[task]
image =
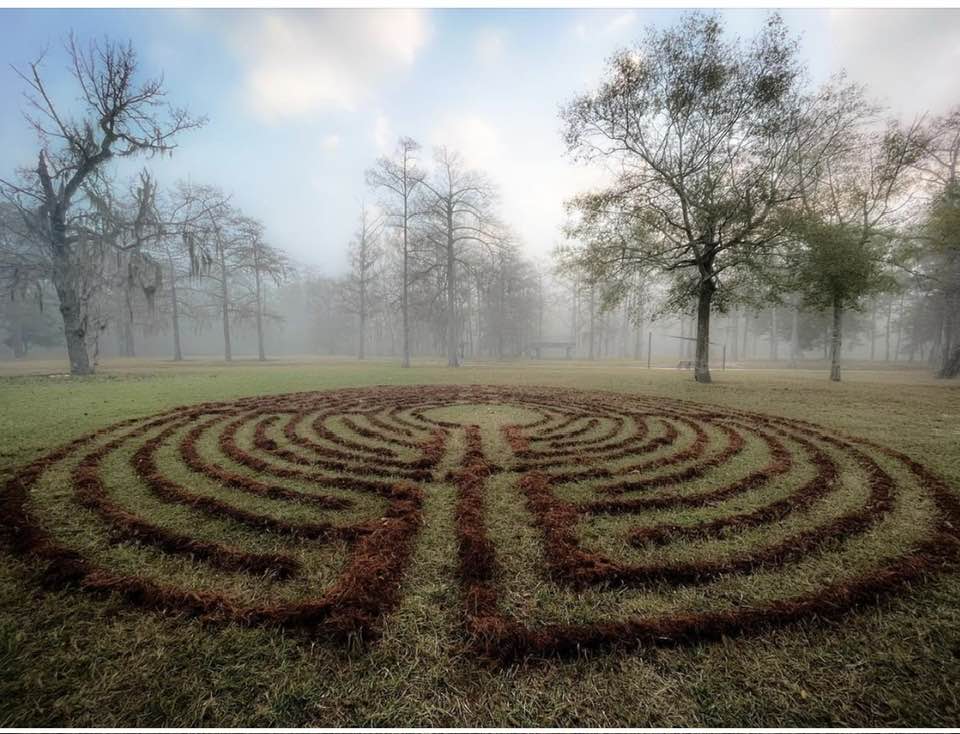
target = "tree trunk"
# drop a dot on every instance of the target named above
(17, 341)
(261, 352)
(539, 307)
(836, 340)
(950, 364)
(129, 348)
(936, 353)
(896, 354)
(225, 296)
(592, 322)
(453, 355)
(361, 338)
(71, 308)
(227, 350)
(74, 322)
(795, 338)
(126, 335)
(501, 297)
(744, 354)
(575, 317)
(704, 299)
(404, 298)
(774, 352)
(735, 336)
(624, 340)
(175, 308)
(886, 351)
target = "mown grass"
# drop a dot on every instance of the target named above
(71, 659)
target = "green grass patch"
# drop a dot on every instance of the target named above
(73, 659)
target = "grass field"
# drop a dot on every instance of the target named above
(423, 645)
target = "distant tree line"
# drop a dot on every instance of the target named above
(432, 265)
(747, 209)
(107, 254)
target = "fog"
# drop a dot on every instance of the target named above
(463, 186)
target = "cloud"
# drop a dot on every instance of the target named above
(533, 177)
(908, 58)
(330, 142)
(592, 26)
(473, 137)
(383, 136)
(489, 45)
(621, 22)
(301, 62)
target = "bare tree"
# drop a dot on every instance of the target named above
(458, 209)
(23, 267)
(122, 117)
(184, 215)
(360, 285)
(223, 244)
(130, 228)
(176, 269)
(400, 176)
(262, 262)
(508, 303)
(26, 295)
(206, 224)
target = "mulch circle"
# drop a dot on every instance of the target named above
(640, 455)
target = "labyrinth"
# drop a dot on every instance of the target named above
(582, 520)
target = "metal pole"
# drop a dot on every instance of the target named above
(724, 366)
(649, 346)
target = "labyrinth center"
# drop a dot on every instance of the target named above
(582, 519)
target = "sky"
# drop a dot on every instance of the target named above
(301, 102)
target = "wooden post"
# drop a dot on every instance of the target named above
(649, 347)
(724, 363)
